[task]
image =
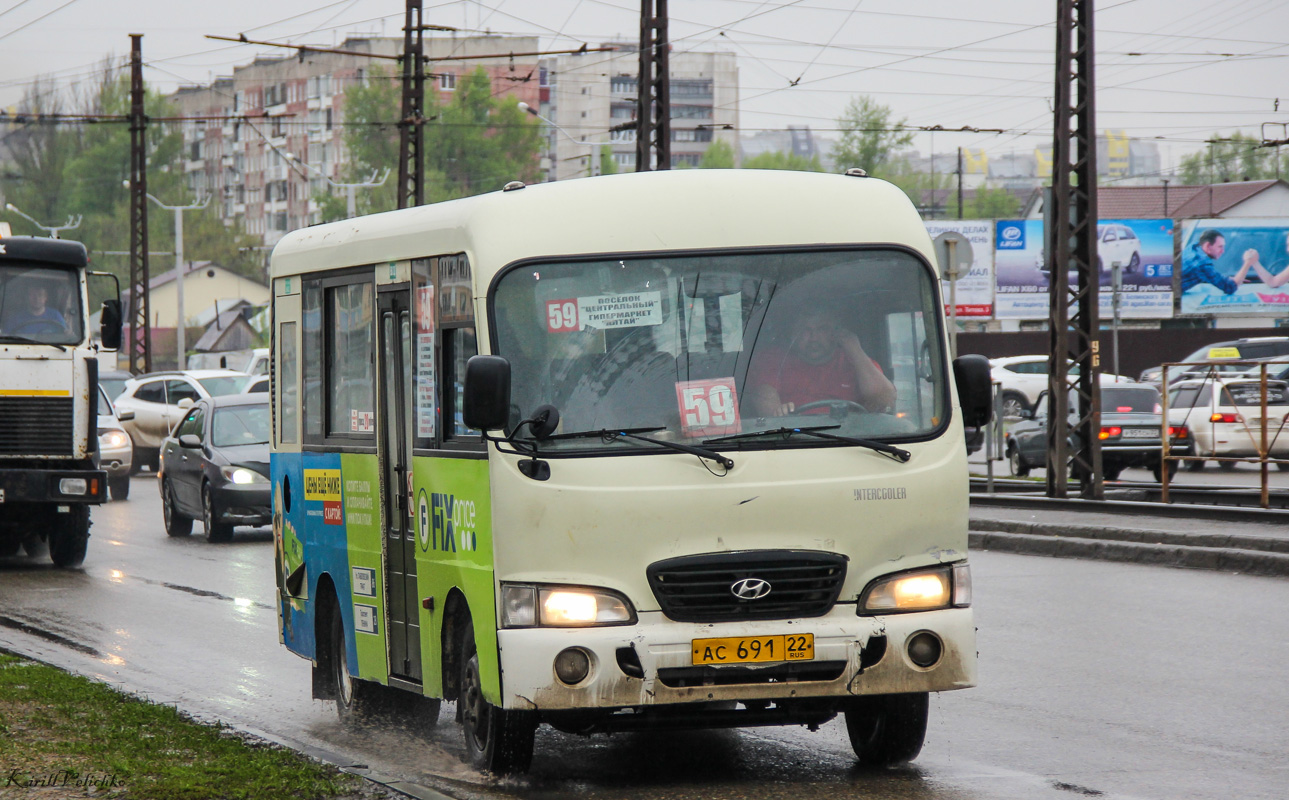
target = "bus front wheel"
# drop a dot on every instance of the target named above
(496, 740)
(356, 700)
(887, 729)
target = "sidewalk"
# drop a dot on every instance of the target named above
(1255, 543)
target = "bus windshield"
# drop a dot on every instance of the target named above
(40, 304)
(749, 345)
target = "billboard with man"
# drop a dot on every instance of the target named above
(1235, 266)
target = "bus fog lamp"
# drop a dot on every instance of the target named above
(73, 486)
(572, 665)
(925, 648)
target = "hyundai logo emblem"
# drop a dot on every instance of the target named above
(750, 589)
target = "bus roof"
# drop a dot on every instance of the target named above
(52, 251)
(636, 212)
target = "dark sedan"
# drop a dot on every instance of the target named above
(215, 466)
(1131, 418)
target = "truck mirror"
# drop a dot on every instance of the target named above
(110, 325)
(971, 374)
(487, 393)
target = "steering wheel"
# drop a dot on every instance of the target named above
(35, 327)
(834, 406)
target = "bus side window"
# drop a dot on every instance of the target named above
(312, 359)
(288, 371)
(459, 344)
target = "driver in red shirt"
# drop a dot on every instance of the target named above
(823, 361)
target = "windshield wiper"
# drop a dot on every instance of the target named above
(817, 431)
(609, 434)
(11, 339)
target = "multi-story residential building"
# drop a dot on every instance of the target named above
(275, 133)
(587, 94)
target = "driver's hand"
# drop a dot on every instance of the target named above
(849, 343)
(787, 408)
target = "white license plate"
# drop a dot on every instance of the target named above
(1140, 433)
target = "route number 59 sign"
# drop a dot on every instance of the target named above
(709, 407)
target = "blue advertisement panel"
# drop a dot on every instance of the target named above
(1235, 266)
(1142, 248)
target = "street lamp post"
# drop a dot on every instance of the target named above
(351, 200)
(180, 332)
(591, 167)
(52, 230)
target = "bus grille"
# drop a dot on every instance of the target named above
(36, 426)
(701, 588)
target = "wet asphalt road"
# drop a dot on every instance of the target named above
(1097, 680)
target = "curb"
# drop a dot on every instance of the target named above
(1048, 541)
(1234, 541)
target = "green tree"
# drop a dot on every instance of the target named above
(1236, 157)
(986, 202)
(869, 136)
(718, 155)
(926, 190)
(475, 143)
(778, 159)
(608, 165)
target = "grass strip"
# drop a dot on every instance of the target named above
(74, 737)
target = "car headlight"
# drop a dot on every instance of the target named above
(113, 439)
(534, 606)
(242, 475)
(920, 590)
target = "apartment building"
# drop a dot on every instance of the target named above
(586, 94)
(274, 133)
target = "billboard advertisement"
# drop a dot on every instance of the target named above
(975, 290)
(1143, 249)
(1235, 266)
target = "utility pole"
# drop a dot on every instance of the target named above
(53, 230)
(653, 89)
(180, 330)
(960, 183)
(140, 346)
(411, 127)
(1072, 246)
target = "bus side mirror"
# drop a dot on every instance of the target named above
(110, 325)
(971, 374)
(487, 393)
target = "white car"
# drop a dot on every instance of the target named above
(115, 450)
(154, 398)
(1023, 378)
(1116, 244)
(1225, 417)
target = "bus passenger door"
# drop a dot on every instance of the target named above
(400, 534)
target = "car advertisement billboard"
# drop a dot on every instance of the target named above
(1143, 249)
(975, 290)
(1235, 266)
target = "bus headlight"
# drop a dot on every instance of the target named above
(921, 590)
(529, 605)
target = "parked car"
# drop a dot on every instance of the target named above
(115, 450)
(1219, 358)
(216, 465)
(113, 381)
(155, 400)
(1024, 378)
(256, 384)
(1131, 423)
(1225, 417)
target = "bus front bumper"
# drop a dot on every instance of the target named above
(852, 656)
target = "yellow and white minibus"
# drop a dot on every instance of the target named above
(657, 450)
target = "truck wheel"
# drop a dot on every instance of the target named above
(176, 523)
(887, 729)
(70, 537)
(357, 701)
(120, 487)
(215, 531)
(496, 740)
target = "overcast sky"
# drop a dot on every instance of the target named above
(1177, 69)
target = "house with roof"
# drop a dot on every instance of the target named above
(1268, 198)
